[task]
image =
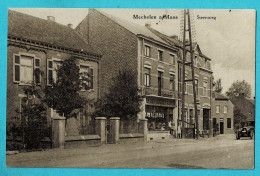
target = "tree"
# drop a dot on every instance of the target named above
(32, 117)
(239, 118)
(218, 87)
(122, 99)
(64, 94)
(239, 87)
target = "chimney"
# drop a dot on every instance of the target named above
(174, 37)
(70, 25)
(51, 18)
(147, 25)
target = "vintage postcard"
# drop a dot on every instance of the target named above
(131, 88)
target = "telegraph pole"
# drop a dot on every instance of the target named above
(189, 43)
(183, 78)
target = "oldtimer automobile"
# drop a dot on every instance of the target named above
(247, 131)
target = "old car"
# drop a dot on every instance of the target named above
(247, 131)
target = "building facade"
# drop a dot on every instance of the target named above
(35, 43)
(203, 82)
(223, 114)
(127, 45)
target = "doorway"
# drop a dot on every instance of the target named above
(221, 128)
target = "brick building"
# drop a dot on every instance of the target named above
(203, 83)
(223, 114)
(127, 45)
(43, 44)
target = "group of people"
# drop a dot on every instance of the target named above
(162, 126)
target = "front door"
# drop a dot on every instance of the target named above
(221, 127)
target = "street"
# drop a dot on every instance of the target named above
(221, 152)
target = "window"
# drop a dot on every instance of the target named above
(147, 51)
(225, 109)
(186, 85)
(172, 59)
(160, 55)
(197, 86)
(179, 77)
(205, 85)
(26, 69)
(87, 77)
(172, 82)
(214, 122)
(53, 66)
(217, 109)
(195, 61)
(147, 77)
(191, 116)
(160, 83)
(228, 122)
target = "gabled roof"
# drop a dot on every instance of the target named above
(37, 29)
(219, 96)
(133, 27)
(168, 39)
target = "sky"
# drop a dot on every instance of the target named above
(229, 39)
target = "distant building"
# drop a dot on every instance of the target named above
(223, 114)
(35, 43)
(246, 106)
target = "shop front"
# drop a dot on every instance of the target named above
(160, 114)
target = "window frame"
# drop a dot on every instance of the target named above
(172, 82)
(90, 70)
(160, 55)
(229, 124)
(147, 51)
(217, 109)
(19, 65)
(172, 59)
(197, 86)
(225, 112)
(52, 69)
(205, 87)
(147, 77)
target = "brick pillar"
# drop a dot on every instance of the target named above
(144, 128)
(115, 128)
(58, 132)
(101, 128)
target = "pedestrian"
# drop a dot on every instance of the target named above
(179, 131)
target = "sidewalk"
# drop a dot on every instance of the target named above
(124, 147)
(115, 154)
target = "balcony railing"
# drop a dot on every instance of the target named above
(163, 92)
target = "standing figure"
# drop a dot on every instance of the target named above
(179, 131)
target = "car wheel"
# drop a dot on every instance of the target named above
(238, 136)
(252, 135)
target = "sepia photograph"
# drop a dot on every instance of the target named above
(131, 88)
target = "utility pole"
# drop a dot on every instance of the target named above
(183, 79)
(189, 43)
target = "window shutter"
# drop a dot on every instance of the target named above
(37, 72)
(50, 72)
(16, 71)
(91, 71)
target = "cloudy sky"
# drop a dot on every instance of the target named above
(229, 40)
